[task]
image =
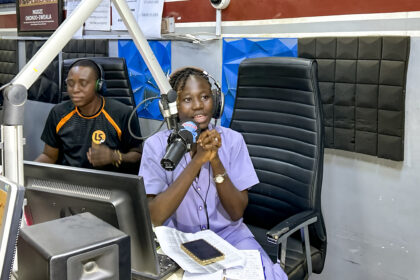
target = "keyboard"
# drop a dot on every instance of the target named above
(167, 265)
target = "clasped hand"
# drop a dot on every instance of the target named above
(208, 145)
(100, 155)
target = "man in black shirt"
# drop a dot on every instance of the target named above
(89, 130)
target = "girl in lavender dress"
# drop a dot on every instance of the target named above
(209, 187)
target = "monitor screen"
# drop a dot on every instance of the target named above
(11, 202)
(56, 191)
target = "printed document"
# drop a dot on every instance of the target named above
(100, 19)
(149, 17)
(117, 22)
(252, 270)
(218, 275)
(171, 239)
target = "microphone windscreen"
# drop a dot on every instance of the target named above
(190, 131)
(172, 96)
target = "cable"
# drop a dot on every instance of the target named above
(194, 38)
(205, 199)
(131, 117)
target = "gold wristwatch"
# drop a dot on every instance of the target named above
(219, 178)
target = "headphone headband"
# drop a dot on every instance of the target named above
(100, 86)
(213, 79)
(218, 97)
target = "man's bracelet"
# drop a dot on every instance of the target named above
(119, 158)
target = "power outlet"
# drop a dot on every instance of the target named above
(168, 25)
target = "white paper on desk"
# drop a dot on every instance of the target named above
(100, 19)
(71, 6)
(218, 275)
(171, 239)
(149, 17)
(252, 270)
(117, 22)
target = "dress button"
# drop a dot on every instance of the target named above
(203, 227)
(198, 189)
(200, 207)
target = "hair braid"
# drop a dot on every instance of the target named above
(179, 78)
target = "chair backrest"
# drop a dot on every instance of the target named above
(116, 78)
(278, 111)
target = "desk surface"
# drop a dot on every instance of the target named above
(177, 275)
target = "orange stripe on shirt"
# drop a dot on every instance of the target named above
(109, 118)
(94, 116)
(64, 120)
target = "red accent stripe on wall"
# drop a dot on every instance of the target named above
(201, 10)
(8, 21)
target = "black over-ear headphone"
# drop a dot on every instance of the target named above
(100, 86)
(218, 97)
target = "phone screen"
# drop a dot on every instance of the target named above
(202, 249)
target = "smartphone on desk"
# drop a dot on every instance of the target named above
(202, 251)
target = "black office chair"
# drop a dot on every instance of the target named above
(278, 111)
(116, 78)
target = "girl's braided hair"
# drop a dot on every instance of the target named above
(180, 77)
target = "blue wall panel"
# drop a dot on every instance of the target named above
(141, 79)
(236, 50)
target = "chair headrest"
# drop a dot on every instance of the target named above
(115, 76)
(278, 72)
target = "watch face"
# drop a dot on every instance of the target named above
(219, 179)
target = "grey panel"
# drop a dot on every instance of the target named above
(366, 119)
(367, 96)
(326, 47)
(347, 48)
(391, 98)
(46, 87)
(35, 116)
(367, 71)
(390, 122)
(366, 142)
(344, 138)
(326, 70)
(370, 47)
(344, 94)
(345, 71)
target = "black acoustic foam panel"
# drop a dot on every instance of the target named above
(8, 61)
(86, 48)
(362, 84)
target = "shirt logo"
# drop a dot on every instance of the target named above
(98, 137)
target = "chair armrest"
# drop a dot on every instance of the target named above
(287, 227)
(278, 235)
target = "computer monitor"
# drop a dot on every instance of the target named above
(11, 202)
(55, 191)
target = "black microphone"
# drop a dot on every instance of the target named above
(179, 142)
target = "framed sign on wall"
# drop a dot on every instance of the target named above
(38, 17)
